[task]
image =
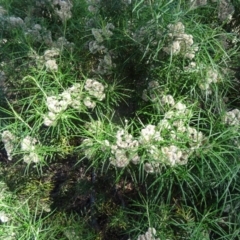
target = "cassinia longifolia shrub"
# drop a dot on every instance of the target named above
(138, 91)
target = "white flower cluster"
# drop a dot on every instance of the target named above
(124, 150)
(73, 97)
(152, 93)
(62, 9)
(212, 76)
(3, 217)
(95, 47)
(225, 7)
(93, 5)
(57, 104)
(173, 127)
(15, 22)
(156, 151)
(105, 65)
(99, 35)
(154, 141)
(197, 3)
(171, 155)
(149, 134)
(61, 43)
(95, 89)
(149, 235)
(225, 10)
(28, 147)
(39, 34)
(50, 62)
(232, 117)
(47, 59)
(9, 141)
(180, 42)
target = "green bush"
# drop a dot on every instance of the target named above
(119, 119)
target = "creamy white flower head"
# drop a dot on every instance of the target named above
(135, 159)
(172, 154)
(62, 42)
(180, 107)
(212, 76)
(51, 65)
(169, 114)
(225, 10)
(154, 152)
(180, 42)
(168, 99)
(192, 67)
(51, 53)
(8, 140)
(106, 30)
(32, 157)
(152, 167)
(105, 65)
(76, 104)
(76, 88)
(149, 235)
(28, 143)
(147, 133)
(153, 84)
(164, 124)
(95, 47)
(50, 119)
(174, 48)
(176, 28)
(185, 39)
(121, 160)
(196, 137)
(179, 124)
(184, 158)
(63, 9)
(97, 33)
(232, 117)
(204, 86)
(95, 89)
(3, 217)
(34, 33)
(89, 103)
(106, 143)
(16, 22)
(54, 105)
(93, 5)
(66, 96)
(189, 55)
(198, 3)
(148, 168)
(125, 140)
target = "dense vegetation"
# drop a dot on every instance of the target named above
(119, 119)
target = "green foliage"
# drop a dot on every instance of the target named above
(119, 119)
